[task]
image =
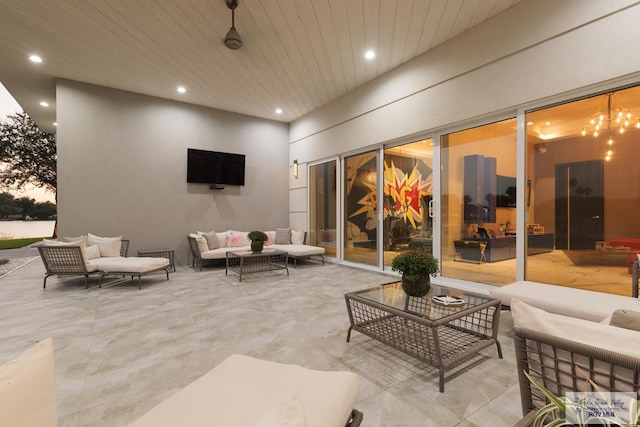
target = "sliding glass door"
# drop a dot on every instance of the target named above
(322, 207)
(360, 208)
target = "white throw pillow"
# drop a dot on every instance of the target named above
(271, 238)
(288, 414)
(297, 237)
(222, 238)
(92, 252)
(75, 239)
(283, 236)
(612, 338)
(28, 388)
(109, 246)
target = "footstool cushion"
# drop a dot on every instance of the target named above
(133, 266)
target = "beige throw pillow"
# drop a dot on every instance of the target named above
(28, 388)
(627, 319)
(212, 240)
(283, 236)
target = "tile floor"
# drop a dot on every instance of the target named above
(120, 351)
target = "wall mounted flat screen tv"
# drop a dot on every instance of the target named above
(214, 167)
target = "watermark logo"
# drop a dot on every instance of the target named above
(594, 407)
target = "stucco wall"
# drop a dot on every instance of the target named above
(122, 160)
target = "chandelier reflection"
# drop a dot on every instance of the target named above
(610, 122)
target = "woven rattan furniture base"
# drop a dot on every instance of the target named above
(440, 335)
(246, 262)
(160, 253)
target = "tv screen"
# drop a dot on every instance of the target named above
(506, 191)
(214, 167)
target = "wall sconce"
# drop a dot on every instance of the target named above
(295, 169)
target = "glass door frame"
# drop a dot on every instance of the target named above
(338, 212)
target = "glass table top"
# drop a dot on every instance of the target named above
(440, 302)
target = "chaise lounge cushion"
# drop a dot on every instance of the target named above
(28, 388)
(241, 390)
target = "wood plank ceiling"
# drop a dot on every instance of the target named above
(297, 55)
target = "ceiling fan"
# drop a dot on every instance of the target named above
(232, 40)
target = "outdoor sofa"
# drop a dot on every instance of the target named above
(94, 255)
(207, 247)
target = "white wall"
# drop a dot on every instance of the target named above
(122, 161)
(535, 50)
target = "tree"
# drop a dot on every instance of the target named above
(28, 153)
(26, 205)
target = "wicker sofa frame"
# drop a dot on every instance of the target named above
(68, 261)
(562, 365)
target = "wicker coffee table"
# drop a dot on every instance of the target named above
(440, 335)
(245, 262)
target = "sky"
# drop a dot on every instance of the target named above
(9, 106)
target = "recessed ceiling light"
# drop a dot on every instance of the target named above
(278, 110)
(55, 123)
(44, 103)
(547, 123)
(529, 123)
(181, 89)
(370, 54)
(35, 58)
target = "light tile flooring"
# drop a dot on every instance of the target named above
(120, 351)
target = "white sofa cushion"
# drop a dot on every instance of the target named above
(28, 388)
(242, 389)
(613, 338)
(109, 246)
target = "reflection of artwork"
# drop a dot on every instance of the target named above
(405, 191)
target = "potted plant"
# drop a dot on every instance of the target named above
(416, 267)
(257, 238)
